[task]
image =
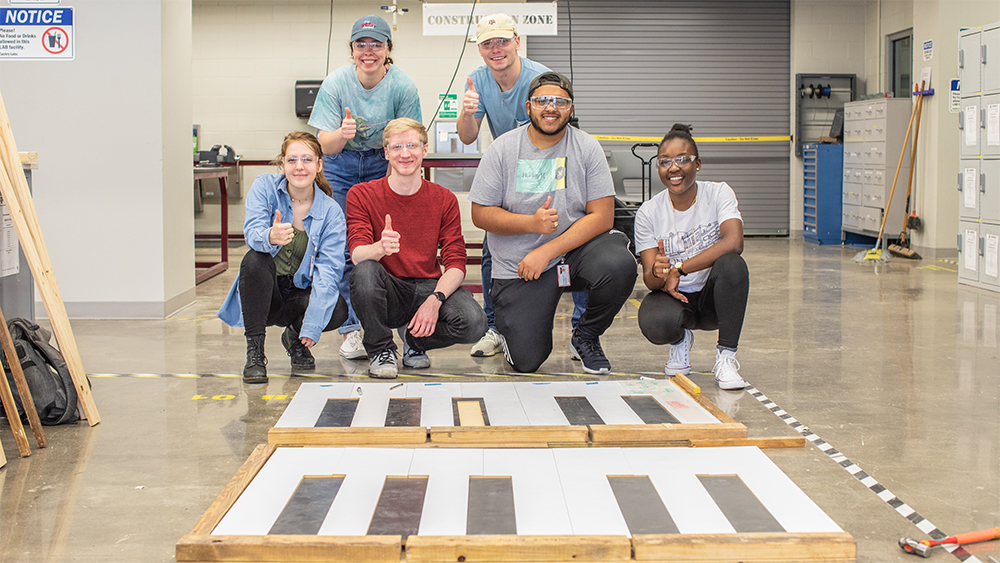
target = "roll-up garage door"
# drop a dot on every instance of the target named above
(722, 66)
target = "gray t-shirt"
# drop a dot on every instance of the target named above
(518, 177)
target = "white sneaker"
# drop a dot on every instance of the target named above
(680, 355)
(383, 365)
(353, 348)
(726, 371)
(489, 345)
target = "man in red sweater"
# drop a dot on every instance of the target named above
(395, 226)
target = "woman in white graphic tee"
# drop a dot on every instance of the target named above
(690, 237)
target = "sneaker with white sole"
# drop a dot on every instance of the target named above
(489, 345)
(726, 370)
(353, 348)
(383, 364)
(591, 354)
(412, 358)
(680, 355)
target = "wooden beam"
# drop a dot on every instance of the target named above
(609, 434)
(509, 548)
(762, 442)
(211, 518)
(340, 549)
(347, 436)
(10, 407)
(749, 547)
(16, 194)
(3, 458)
(509, 434)
(686, 384)
(22, 384)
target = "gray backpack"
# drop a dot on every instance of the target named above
(48, 377)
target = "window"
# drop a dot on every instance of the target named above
(900, 66)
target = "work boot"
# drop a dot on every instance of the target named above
(256, 369)
(302, 358)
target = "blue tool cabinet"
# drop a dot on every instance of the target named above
(822, 180)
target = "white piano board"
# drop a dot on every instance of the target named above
(575, 481)
(507, 403)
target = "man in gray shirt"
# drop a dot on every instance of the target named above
(544, 193)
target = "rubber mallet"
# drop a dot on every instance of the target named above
(922, 548)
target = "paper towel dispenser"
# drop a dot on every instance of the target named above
(305, 96)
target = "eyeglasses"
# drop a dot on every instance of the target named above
(665, 161)
(542, 102)
(306, 160)
(398, 147)
(499, 42)
(373, 45)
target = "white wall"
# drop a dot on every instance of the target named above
(109, 186)
(827, 37)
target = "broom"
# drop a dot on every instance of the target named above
(875, 255)
(903, 248)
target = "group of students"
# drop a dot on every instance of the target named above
(347, 235)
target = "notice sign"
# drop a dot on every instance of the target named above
(535, 18)
(33, 34)
(449, 107)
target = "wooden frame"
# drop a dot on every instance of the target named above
(200, 546)
(727, 432)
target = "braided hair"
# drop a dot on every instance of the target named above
(679, 131)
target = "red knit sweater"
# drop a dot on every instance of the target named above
(425, 221)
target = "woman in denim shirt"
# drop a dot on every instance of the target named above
(352, 108)
(290, 276)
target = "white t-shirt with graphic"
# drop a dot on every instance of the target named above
(688, 233)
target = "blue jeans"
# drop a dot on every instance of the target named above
(344, 170)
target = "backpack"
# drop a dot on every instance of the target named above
(47, 374)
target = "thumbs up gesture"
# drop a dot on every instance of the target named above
(661, 264)
(281, 233)
(348, 127)
(546, 218)
(470, 102)
(390, 238)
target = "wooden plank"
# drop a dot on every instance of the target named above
(710, 407)
(22, 384)
(3, 458)
(762, 442)
(686, 384)
(355, 436)
(28, 157)
(193, 548)
(17, 196)
(469, 412)
(757, 548)
(509, 434)
(620, 433)
(434, 549)
(211, 518)
(10, 408)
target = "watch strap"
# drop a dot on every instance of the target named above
(439, 295)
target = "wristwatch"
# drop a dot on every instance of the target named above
(439, 295)
(679, 265)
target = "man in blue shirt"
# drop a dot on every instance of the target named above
(497, 90)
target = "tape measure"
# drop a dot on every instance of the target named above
(766, 139)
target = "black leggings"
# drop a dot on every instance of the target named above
(721, 305)
(272, 300)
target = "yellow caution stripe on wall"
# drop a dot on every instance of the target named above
(766, 139)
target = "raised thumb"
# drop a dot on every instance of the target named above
(277, 216)
(548, 202)
(662, 251)
(347, 113)
(472, 87)
(388, 223)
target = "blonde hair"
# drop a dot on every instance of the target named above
(401, 125)
(312, 142)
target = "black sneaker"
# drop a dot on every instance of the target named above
(256, 369)
(302, 358)
(590, 352)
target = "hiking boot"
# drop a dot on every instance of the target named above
(412, 358)
(590, 352)
(727, 371)
(302, 358)
(383, 364)
(680, 356)
(353, 348)
(256, 369)
(489, 345)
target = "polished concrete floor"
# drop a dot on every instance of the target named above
(895, 366)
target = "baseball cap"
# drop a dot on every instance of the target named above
(554, 78)
(371, 26)
(495, 25)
